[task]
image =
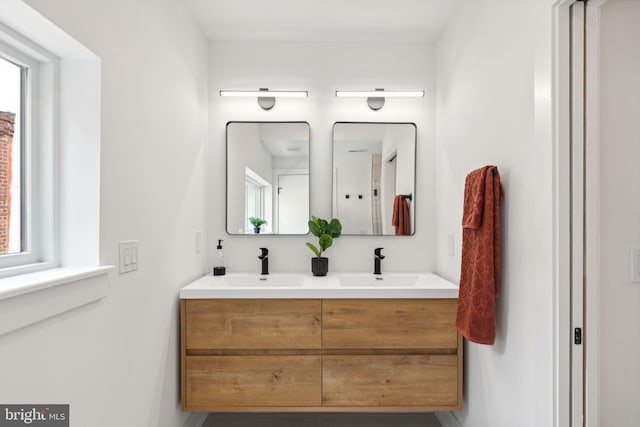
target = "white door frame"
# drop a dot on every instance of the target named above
(585, 248)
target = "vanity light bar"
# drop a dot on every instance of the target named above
(376, 98)
(270, 93)
(266, 98)
(379, 93)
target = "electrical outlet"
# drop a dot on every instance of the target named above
(128, 256)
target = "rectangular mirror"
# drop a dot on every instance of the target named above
(267, 177)
(374, 178)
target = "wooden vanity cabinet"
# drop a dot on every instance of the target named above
(237, 381)
(244, 353)
(389, 324)
(320, 355)
(391, 353)
(409, 381)
(252, 324)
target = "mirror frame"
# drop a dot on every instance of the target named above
(415, 163)
(226, 187)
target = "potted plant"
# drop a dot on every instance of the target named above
(325, 231)
(257, 223)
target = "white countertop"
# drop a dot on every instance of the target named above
(334, 285)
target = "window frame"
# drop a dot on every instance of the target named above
(39, 178)
(258, 201)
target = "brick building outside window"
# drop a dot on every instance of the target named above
(7, 126)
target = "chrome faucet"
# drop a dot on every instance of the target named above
(377, 257)
(264, 256)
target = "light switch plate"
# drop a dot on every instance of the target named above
(450, 243)
(128, 256)
(635, 265)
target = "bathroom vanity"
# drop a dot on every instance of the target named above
(346, 342)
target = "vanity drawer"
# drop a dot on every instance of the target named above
(252, 324)
(253, 381)
(390, 380)
(389, 324)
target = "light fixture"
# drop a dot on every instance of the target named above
(266, 97)
(376, 98)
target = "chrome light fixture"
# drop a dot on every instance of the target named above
(376, 98)
(266, 97)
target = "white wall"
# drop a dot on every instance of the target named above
(619, 212)
(493, 107)
(323, 68)
(116, 361)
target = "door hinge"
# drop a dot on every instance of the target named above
(577, 336)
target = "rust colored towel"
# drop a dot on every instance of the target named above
(480, 272)
(400, 219)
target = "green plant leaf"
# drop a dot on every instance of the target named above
(334, 228)
(314, 227)
(326, 231)
(325, 241)
(257, 222)
(314, 249)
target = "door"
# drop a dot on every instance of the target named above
(293, 203)
(605, 207)
(615, 236)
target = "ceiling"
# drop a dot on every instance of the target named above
(323, 20)
(285, 139)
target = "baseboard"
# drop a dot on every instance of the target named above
(196, 419)
(448, 419)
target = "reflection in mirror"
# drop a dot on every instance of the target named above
(267, 177)
(374, 177)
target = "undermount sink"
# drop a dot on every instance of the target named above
(389, 280)
(262, 281)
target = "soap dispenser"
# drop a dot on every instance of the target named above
(218, 265)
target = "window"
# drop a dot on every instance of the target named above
(55, 207)
(257, 193)
(254, 205)
(13, 78)
(26, 174)
(54, 264)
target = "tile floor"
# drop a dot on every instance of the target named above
(322, 420)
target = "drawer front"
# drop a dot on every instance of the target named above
(390, 380)
(253, 324)
(229, 381)
(391, 324)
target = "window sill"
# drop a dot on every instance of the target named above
(29, 298)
